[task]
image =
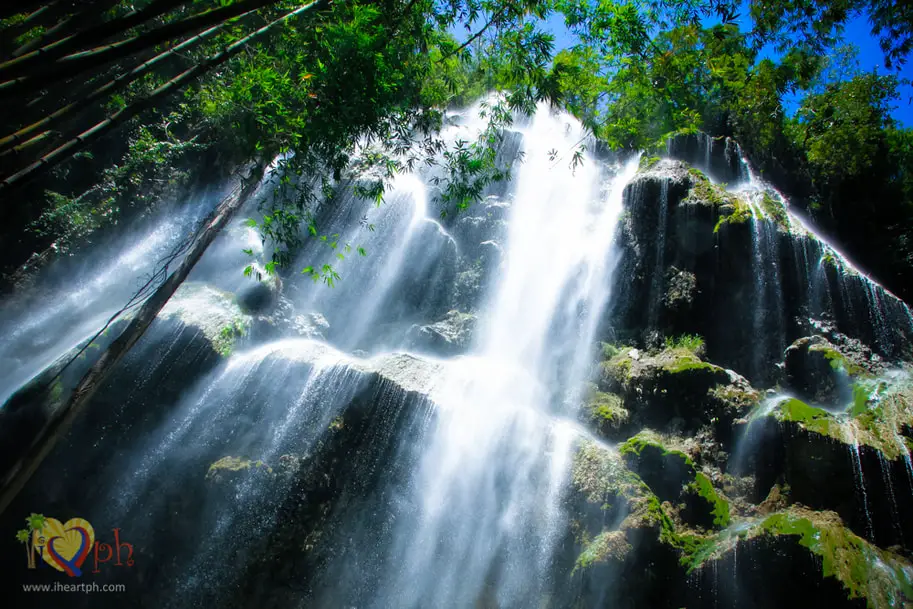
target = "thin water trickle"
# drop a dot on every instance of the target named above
(860, 479)
(656, 284)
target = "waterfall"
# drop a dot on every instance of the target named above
(857, 303)
(416, 434)
(448, 475)
(489, 485)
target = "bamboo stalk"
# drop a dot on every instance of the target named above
(25, 6)
(33, 70)
(26, 144)
(92, 35)
(53, 34)
(111, 86)
(79, 142)
(64, 416)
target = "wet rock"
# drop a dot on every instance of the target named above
(449, 336)
(673, 477)
(605, 413)
(213, 313)
(681, 289)
(233, 470)
(310, 325)
(854, 463)
(261, 294)
(718, 156)
(676, 385)
(816, 370)
(814, 560)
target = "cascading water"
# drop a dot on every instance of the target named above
(84, 294)
(488, 490)
(414, 436)
(458, 498)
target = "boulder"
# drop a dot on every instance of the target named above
(817, 371)
(676, 387)
(854, 463)
(448, 336)
(261, 294)
(673, 477)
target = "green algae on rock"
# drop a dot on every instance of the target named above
(882, 578)
(228, 469)
(605, 412)
(672, 476)
(877, 425)
(676, 383)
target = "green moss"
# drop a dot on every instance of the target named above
(775, 210)
(838, 361)
(703, 192)
(618, 367)
(862, 392)
(685, 362)
(734, 400)
(599, 475)
(224, 343)
(736, 212)
(719, 506)
(690, 342)
(879, 424)
(646, 442)
(610, 350)
(876, 426)
(606, 412)
(864, 570)
(809, 418)
(883, 579)
(607, 546)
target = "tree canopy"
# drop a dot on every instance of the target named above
(111, 106)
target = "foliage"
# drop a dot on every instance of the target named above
(690, 342)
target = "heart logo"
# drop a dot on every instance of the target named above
(67, 545)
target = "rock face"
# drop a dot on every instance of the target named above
(783, 490)
(743, 441)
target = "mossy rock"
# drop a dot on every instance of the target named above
(883, 579)
(599, 475)
(879, 427)
(730, 208)
(666, 471)
(854, 462)
(605, 413)
(261, 294)
(676, 384)
(704, 505)
(234, 469)
(672, 476)
(818, 371)
(608, 546)
(775, 211)
(213, 312)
